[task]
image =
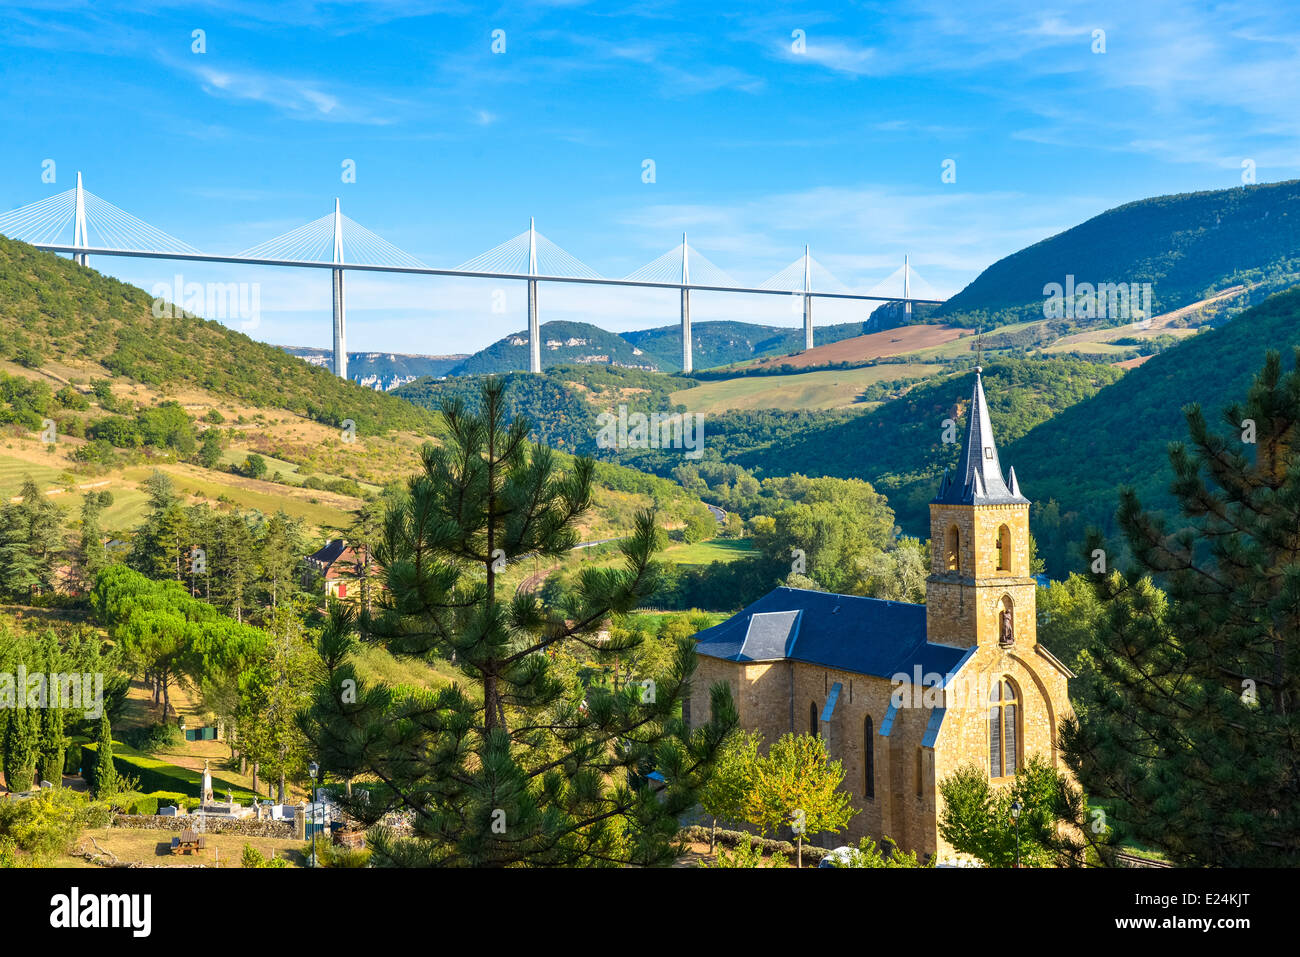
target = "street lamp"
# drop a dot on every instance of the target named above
(1015, 816)
(313, 769)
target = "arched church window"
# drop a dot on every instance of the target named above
(1006, 622)
(952, 550)
(1004, 549)
(1004, 739)
(812, 719)
(869, 757)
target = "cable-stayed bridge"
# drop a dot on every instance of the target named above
(340, 244)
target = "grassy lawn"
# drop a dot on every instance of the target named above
(154, 847)
(14, 470)
(320, 513)
(375, 663)
(828, 389)
(714, 550)
(706, 619)
(288, 470)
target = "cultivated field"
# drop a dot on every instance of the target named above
(876, 345)
(827, 389)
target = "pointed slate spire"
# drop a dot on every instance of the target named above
(979, 480)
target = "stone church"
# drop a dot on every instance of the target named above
(905, 694)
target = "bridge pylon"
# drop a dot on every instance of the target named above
(907, 286)
(807, 300)
(534, 327)
(687, 344)
(79, 227)
(340, 313)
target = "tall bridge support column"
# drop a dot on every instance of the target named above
(688, 362)
(534, 327)
(688, 359)
(79, 227)
(340, 315)
(807, 299)
(534, 330)
(340, 327)
(907, 288)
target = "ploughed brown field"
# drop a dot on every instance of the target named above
(1132, 363)
(891, 342)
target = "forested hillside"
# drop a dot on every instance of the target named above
(563, 402)
(1186, 245)
(1083, 455)
(899, 448)
(50, 308)
(563, 343)
(724, 342)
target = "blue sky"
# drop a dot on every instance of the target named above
(759, 147)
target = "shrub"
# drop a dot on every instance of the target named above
(47, 823)
(30, 357)
(345, 857)
(70, 398)
(153, 738)
(252, 857)
(164, 799)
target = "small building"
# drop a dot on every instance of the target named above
(337, 570)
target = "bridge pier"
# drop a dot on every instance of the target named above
(340, 330)
(688, 363)
(807, 300)
(534, 327)
(340, 318)
(534, 330)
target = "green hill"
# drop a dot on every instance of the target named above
(52, 309)
(563, 402)
(1120, 435)
(724, 342)
(1187, 246)
(563, 343)
(899, 447)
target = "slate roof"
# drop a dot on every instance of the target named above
(338, 559)
(329, 554)
(979, 478)
(867, 636)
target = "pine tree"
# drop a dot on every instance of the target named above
(1193, 698)
(30, 540)
(159, 547)
(90, 546)
(105, 783)
(525, 767)
(232, 563)
(281, 550)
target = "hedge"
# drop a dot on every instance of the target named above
(159, 776)
(700, 834)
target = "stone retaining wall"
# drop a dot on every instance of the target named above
(249, 827)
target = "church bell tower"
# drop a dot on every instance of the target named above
(980, 591)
